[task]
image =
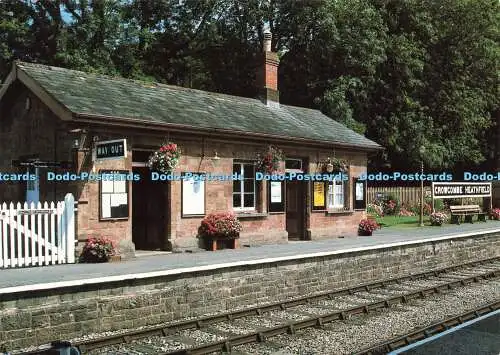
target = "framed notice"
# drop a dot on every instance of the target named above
(113, 195)
(193, 195)
(359, 194)
(276, 196)
(319, 195)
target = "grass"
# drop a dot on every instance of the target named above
(402, 221)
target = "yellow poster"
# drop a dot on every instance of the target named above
(319, 194)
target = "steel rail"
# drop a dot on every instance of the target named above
(197, 323)
(317, 321)
(426, 332)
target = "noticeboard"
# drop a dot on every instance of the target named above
(276, 196)
(319, 195)
(359, 197)
(193, 195)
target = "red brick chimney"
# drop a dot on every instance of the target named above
(267, 73)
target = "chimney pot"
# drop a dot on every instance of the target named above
(267, 41)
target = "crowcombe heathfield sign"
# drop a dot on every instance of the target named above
(460, 189)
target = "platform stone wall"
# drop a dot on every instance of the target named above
(33, 318)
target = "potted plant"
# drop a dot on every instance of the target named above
(438, 218)
(495, 214)
(220, 226)
(165, 159)
(367, 226)
(269, 162)
(98, 250)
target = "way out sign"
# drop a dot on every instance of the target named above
(110, 149)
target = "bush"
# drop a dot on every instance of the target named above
(391, 205)
(495, 214)
(438, 205)
(438, 218)
(375, 210)
(404, 212)
(98, 250)
(368, 226)
(220, 225)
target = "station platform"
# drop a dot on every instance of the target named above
(478, 336)
(167, 264)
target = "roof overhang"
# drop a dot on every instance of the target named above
(147, 126)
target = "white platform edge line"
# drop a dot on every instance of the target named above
(126, 277)
(442, 334)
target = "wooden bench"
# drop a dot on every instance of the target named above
(466, 211)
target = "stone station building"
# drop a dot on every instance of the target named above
(51, 114)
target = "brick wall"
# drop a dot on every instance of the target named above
(33, 318)
(37, 130)
(29, 127)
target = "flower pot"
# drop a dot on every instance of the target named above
(364, 233)
(437, 224)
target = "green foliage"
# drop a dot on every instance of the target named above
(406, 73)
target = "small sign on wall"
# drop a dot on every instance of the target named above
(114, 149)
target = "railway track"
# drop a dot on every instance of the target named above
(426, 332)
(226, 331)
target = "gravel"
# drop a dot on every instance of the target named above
(344, 337)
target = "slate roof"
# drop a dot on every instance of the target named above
(84, 93)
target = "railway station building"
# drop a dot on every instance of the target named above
(60, 121)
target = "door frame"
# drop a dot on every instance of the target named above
(165, 241)
(302, 192)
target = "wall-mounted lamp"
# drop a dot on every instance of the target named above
(216, 159)
(80, 142)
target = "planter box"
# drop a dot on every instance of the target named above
(364, 233)
(115, 258)
(218, 244)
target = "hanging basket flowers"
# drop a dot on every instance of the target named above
(165, 159)
(269, 162)
(335, 165)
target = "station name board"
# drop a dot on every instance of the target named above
(111, 149)
(456, 190)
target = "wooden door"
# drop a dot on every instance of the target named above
(149, 211)
(295, 209)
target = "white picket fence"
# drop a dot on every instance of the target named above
(37, 234)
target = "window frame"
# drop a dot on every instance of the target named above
(331, 194)
(102, 172)
(242, 192)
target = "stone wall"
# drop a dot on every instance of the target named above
(32, 318)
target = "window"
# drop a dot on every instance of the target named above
(113, 194)
(336, 192)
(244, 195)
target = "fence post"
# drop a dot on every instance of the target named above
(69, 209)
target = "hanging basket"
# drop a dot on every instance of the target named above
(165, 159)
(269, 161)
(335, 165)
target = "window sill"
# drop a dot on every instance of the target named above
(339, 211)
(250, 215)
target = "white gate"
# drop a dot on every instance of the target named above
(37, 234)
